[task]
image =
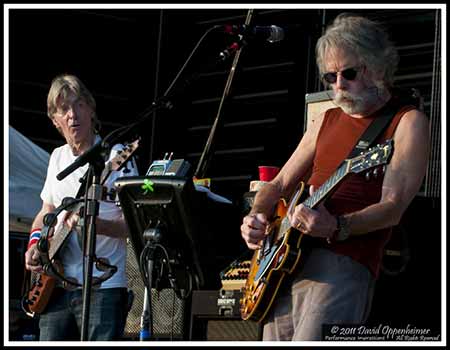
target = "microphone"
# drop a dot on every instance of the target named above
(271, 33)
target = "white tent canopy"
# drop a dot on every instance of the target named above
(27, 171)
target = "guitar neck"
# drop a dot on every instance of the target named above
(320, 194)
(105, 173)
(57, 241)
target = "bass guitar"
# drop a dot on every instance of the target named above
(282, 249)
(36, 298)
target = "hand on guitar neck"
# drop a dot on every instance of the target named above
(71, 220)
(316, 222)
(32, 261)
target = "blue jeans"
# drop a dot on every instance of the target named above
(62, 319)
(329, 289)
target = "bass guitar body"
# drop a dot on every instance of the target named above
(278, 257)
(42, 286)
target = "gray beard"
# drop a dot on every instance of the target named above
(358, 103)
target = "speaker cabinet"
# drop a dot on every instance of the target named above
(215, 316)
(315, 104)
(232, 330)
(168, 311)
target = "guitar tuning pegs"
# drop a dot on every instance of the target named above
(368, 176)
(383, 169)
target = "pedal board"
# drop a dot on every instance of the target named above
(235, 276)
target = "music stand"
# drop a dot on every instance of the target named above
(171, 207)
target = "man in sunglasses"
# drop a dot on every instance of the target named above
(71, 109)
(334, 284)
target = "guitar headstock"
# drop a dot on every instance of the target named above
(373, 157)
(122, 156)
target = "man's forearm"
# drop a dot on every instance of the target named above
(375, 217)
(266, 199)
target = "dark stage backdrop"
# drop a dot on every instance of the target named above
(129, 57)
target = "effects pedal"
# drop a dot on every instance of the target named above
(168, 166)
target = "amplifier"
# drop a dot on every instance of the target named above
(215, 316)
(169, 313)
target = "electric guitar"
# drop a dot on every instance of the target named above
(282, 248)
(41, 287)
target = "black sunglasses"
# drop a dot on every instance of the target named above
(348, 74)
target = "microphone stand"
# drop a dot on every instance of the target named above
(94, 197)
(207, 153)
(95, 157)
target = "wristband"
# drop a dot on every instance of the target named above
(342, 232)
(35, 235)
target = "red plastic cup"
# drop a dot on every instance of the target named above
(267, 173)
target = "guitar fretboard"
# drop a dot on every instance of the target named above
(327, 186)
(319, 194)
(57, 241)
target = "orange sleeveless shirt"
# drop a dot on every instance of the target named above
(337, 137)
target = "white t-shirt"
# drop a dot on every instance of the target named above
(54, 191)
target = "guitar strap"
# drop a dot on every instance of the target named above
(375, 128)
(82, 192)
(367, 139)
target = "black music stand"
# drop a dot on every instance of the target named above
(173, 208)
(162, 216)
